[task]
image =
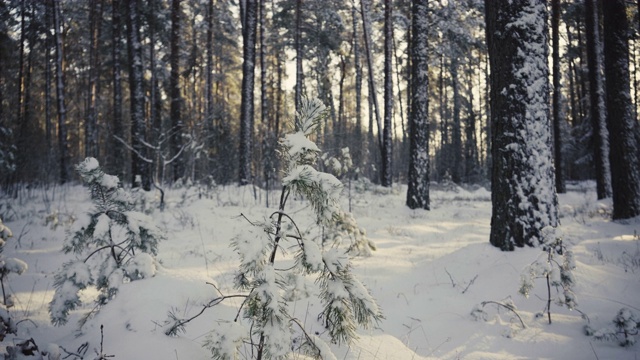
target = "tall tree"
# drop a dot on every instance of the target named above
(418, 180)
(597, 101)
(250, 25)
(387, 141)
(118, 160)
(139, 160)
(298, 49)
(625, 166)
(557, 128)
(63, 145)
(91, 121)
(522, 184)
(177, 124)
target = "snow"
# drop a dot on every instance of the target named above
(431, 269)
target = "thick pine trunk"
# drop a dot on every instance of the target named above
(418, 177)
(522, 186)
(248, 80)
(625, 167)
(597, 101)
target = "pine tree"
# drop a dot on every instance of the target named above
(7, 266)
(267, 322)
(556, 266)
(418, 181)
(522, 184)
(249, 29)
(597, 101)
(623, 155)
(112, 244)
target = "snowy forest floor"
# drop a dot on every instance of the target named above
(430, 270)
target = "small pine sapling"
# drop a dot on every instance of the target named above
(112, 244)
(555, 265)
(626, 324)
(7, 266)
(272, 275)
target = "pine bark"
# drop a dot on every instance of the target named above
(625, 166)
(597, 101)
(177, 125)
(387, 142)
(248, 81)
(357, 150)
(418, 177)
(63, 145)
(557, 128)
(91, 128)
(139, 161)
(116, 78)
(298, 46)
(522, 186)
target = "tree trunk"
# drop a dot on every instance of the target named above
(298, 46)
(625, 167)
(596, 95)
(387, 151)
(139, 161)
(418, 177)
(118, 126)
(246, 106)
(522, 186)
(359, 141)
(456, 134)
(177, 125)
(557, 128)
(63, 146)
(471, 144)
(372, 85)
(91, 128)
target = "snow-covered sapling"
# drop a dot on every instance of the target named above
(555, 265)
(112, 244)
(626, 324)
(7, 266)
(277, 260)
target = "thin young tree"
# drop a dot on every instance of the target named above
(625, 166)
(522, 188)
(418, 181)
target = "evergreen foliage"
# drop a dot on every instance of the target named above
(7, 266)
(626, 325)
(269, 288)
(555, 265)
(113, 244)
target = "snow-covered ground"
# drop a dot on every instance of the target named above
(431, 269)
